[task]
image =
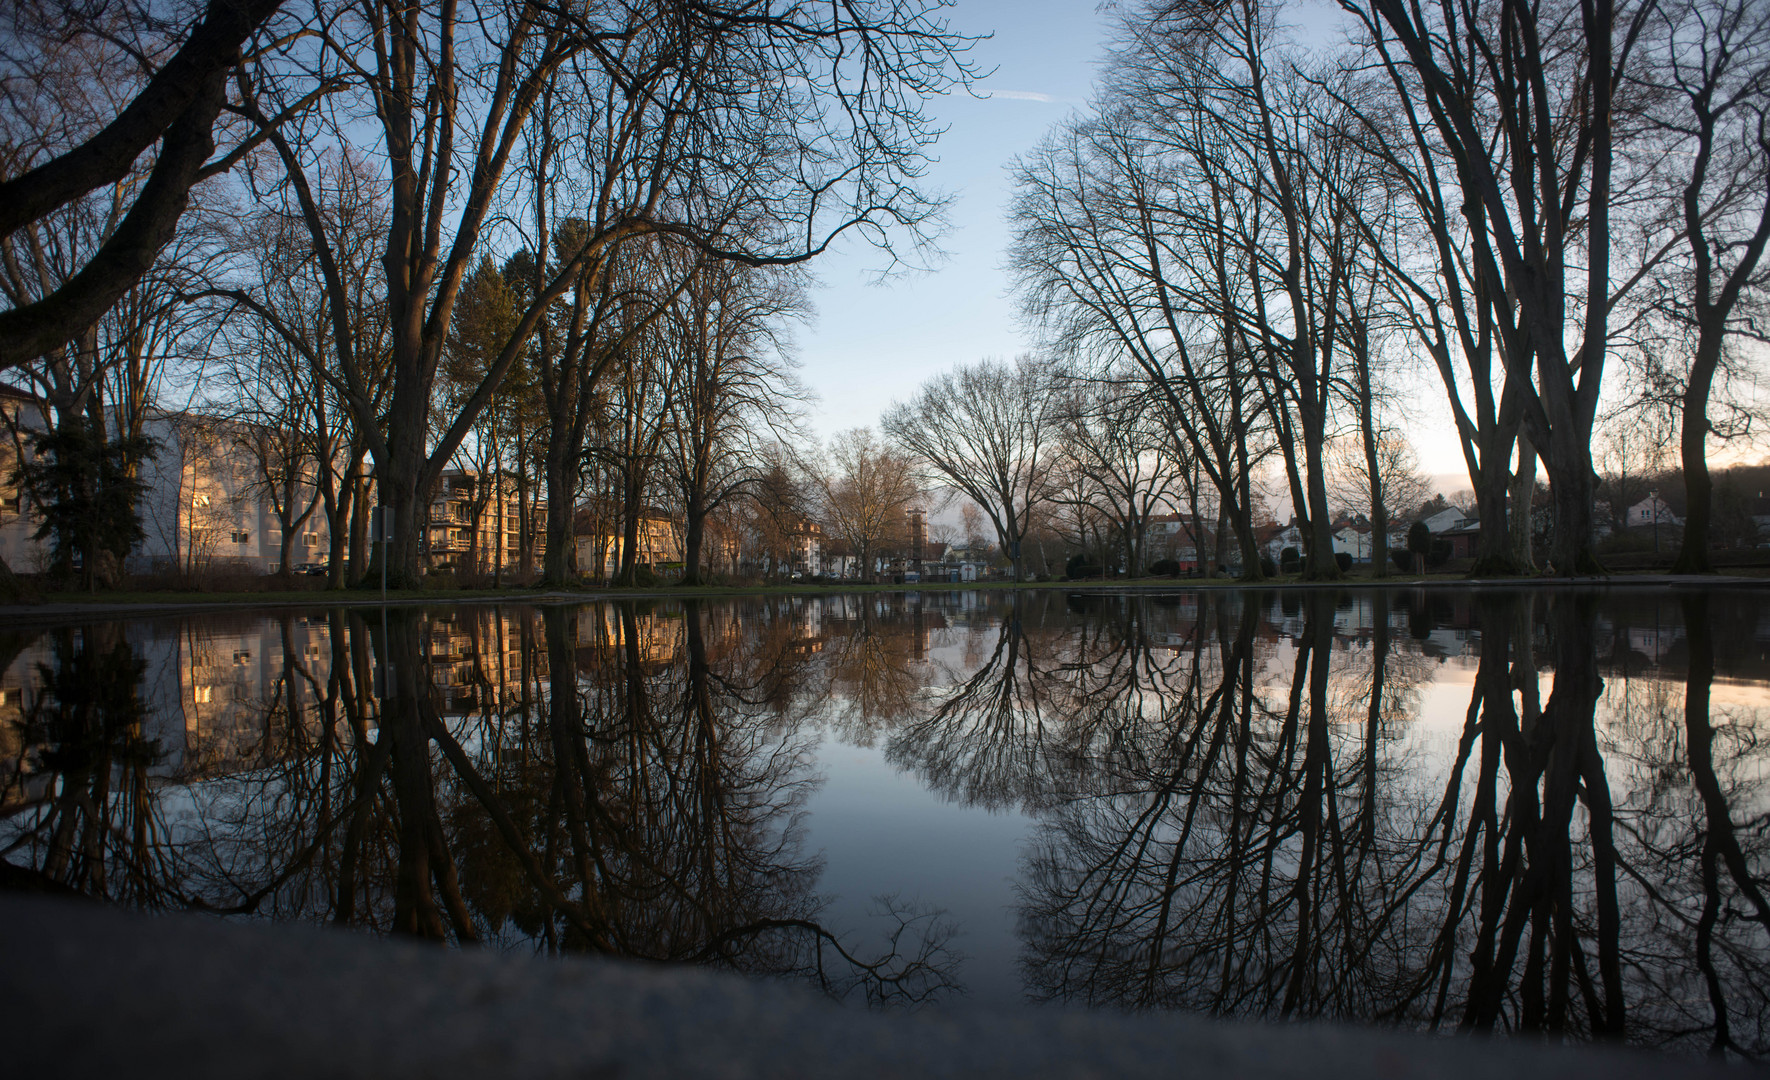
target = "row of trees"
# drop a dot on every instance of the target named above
(1077, 458)
(556, 246)
(1521, 194)
(553, 242)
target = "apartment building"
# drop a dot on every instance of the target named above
(477, 526)
(600, 541)
(217, 494)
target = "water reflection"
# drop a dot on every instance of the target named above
(1498, 811)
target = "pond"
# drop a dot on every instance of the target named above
(1504, 810)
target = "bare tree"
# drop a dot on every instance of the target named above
(1393, 486)
(1710, 65)
(866, 488)
(320, 295)
(780, 506)
(734, 387)
(987, 431)
(1112, 441)
(158, 81)
(757, 135)
(1523, 101)
(1125, 246)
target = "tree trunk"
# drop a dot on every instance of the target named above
(1493, 544)
(1250, 545)
(1322, 565)
(525, 523)
(631, 511)
(1518, 506)
(1570, 478)
(359, 531)
(1699, 486)
(338, 514)
(400, 489)
(562, 483)
(691, 543)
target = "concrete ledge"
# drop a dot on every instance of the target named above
(87, 990)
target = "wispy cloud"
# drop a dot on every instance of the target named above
(1023, 95)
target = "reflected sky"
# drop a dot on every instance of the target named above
(1506, 811)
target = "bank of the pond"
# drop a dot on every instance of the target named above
(62, 608)
(90, 991)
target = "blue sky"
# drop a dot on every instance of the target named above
(872, 344)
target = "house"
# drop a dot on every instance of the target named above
(1179, 537)
(807, 555)
(1463, 539)
(1446, 520)
(1649, 512)
(973, 562)
(1356, 540)
(17, 523)
(217, 494)
(1273, 539)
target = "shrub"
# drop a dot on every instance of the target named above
(1403, 559)
(1290, 560)
(1268, 567)
(1419, 539)
(1079, 567)
(1439, 553)
(1343, 560)
(1165, 568)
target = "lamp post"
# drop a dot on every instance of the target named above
(383, 532)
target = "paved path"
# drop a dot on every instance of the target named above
(92, 991)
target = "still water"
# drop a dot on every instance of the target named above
(1505, 811)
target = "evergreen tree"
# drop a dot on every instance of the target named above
(88, 492)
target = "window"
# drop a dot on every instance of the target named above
(311, 539)
(202, 695)
(241, 657)
(242, 538)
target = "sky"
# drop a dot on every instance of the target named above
(872, 344)
(875, 343)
